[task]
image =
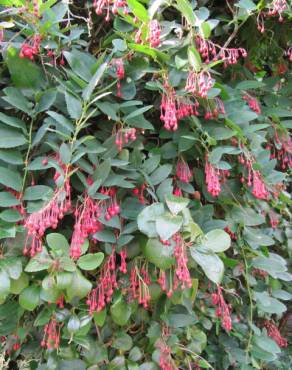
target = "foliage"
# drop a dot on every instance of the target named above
(144, 171)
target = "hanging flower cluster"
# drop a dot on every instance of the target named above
(281, 149)
(211, 52)
(52, 333)
(108, 6)
(31, 47)
(123, 136)
(170, 281)
(165, 360)
(277, 7)
(139, 193)
(199, 83)
(231, 234)
(274, 219)
(106, 285)
(183, 172)
(47, 217)
(180, 254)
(139, 285)
(35, 8)
(174, 108)
(120, 73)
(253, 103)
(254, 179)
(223, 309)
(154, 33)
(214, 111)
(275, 334)
(212, 177)
(87, 222)
(288, 53)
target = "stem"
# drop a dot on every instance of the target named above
(249, 295)
(27, 155)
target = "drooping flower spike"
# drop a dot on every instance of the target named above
(211, 52)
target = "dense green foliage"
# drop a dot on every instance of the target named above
(144, 184)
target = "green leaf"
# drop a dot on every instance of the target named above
(147, 219)
(246, 85)
(137, 112)
(102, 171)
(65, 153)
(11, 156)
(11, 138)
(176, 204)
(122, 342)
(90, 261)
(216, 154)
(138, 10)
(79, 287)
(158, 254)
(29, 298)
(248, 5)
(160, 174)
(81, 63)
(210, 263)
(205, 30)
(17, 286)
(185, 8)
(73, 324)
(167, 225)
(269, 304)
(8, 200)
(87, 92)
(217, 241)
(74, 106)
(266, 343)
(12, 121)
(37, 192)
(58, 243)
(47, 99)
(24, 73)
(17, 100)
(99, 317)
(273, 264)
(194, 59)
(4, 285)
(63, 280)
(120, 312)
(11, 215)
(41, 261)
(11, 179)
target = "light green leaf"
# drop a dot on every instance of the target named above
(167, 225)
(176, 204)
(90, 261)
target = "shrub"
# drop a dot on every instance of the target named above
(144, 161)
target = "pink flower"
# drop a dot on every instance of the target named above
(47, 217)
(168, 108)
(183, 172)
(223, 309)
(212, 52)
(275, 334)
(52, 333)
(139, 286)
(154, 33)
(106, 285)
(180, 253)
(87, 222)
(199, 83)
(259, 188)
(212, 179)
